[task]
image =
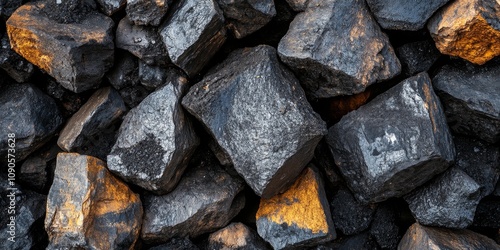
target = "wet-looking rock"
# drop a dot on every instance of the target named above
(147, 12)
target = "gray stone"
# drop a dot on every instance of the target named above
(384, 228)
(177, 244)
(31, 115)
(350, 216)
(125, 72)
(156, 140)
(404, 15)
(393, 144)
(100, 111)
(143, 42)
(153, 77)
(471, 98)
(16, 66)
(7, 7)
(417, 57)
(109, 7)
(147, 12)
(236, 236)
(298, 5)
(336, 48)
(193, 33)
(247, 16)
(258, 113)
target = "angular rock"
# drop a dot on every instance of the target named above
(76, 54)
(467, 29)
(384, 228)
(422, 237)
(299, 217)
(37, 171)
(89, 208)
(143, 42)
(236, 236)
(393, 144)
(206, 199)
(403, 15)
(298, 5)
(28, 113)
(471, 98)
(193, 33)
(450, 200)
(156, 140)
(488, 213)
(125, 72)
(350, 216)
(336, 48)
(257, 112)
(109, 7)
(247, 16)
(16, 66)
(177, 244)
(101, 110)
(153, 77)
(7, 7)
(99, 145)
(147, 12)
(417, 57)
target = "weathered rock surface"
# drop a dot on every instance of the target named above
(206, 199)
(417, 57)
(471, 98)
(125, 72)
(101, 110)
(257, 111)
(247, 16)
(450, 200)
(403, 15)
(393, 144)
(109, 7)
(467, 29)
(156, 140)
(177, 244)
(147, 12)
(236, 236)
(299, 217)
(336, 48)
(87, 207)
(193, 33)
(298, 5)
(143, 42)
(384, 228)
(153, 76)
(28, 113)
(16, 66)
(77, 55)
(350, 216)
(422, 237)
(37, 171)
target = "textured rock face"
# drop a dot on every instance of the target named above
(257, 112)
(298, 5)
(125, 72)
(417, 57)
(471, 98)
(336, 48)
(155, 140)
(28, 113)
(236, 236)
(450, 200)
(153, 76)
(297, 218)
(467, 29)
(403, 15)
(193, 33)
(101, 110)
(349, 215)
(384, 227)
(87, 207)
(16, 66)
(37, 171)
(147, 12)
(394, 143)
(422, 237)
(109, 7)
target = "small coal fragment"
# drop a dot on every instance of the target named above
(109, 7)
(153, 77)
(177, 244)
(298, 5)
(236, 236)
(384, 228)
(336, 48)
(417, 57)
(87, 207)
(258, 113)
(7, 7)
(147, 12)
(16, 66)
(393, 144)
(299, 217)
(193, 33)
(125, 72)
(37, 171)
(471, 98)
(350, 216)
(488, 213)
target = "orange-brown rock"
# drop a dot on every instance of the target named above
(299, 217)
(468, 29)
(89, 208)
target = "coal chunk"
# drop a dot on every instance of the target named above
(29, 114)
(125, 72)
(488, 213)
(109, 7)
(176, 244)
(153, 77)
(471, 98)
(393, 144)
(156, 140)
(350, 216)
(76, 54)
(361, 241)
(336, 48)
(193, 33)
(258, 113)
(134, 95)
(7, 7)
(236, 236)
(384, 228)
(15, 65)
(37, 171)
(89, 208)
(147, 12)
(417, 57)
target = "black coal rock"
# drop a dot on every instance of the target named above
(417, 57)
(488, 213)
(16, 66)
(125, 72)
(147, 12)
(37, 171)
(384, 228)
(153, 77)
(349, 215)
(7, 7)
(177, 244)
(109, 7)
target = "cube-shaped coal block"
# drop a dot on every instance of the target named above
(393, 144)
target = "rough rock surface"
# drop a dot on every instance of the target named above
(350, 216)
(449, 200)
(403, 15)
(336, 48)
(384, 228)
(471, 98)
(393, 144)
(422, 237)
(299, 217)
(125, 72)
(156, 140)
(236, 236)
(16, 66)
(257, 111)
(417, 57)
(88, 207)
(153, 76)
(193, 33)
(100, 111)
(28, 113)
(77, 54)
(467, 29)
(109, 7)
(147, 12)
(298, 5)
